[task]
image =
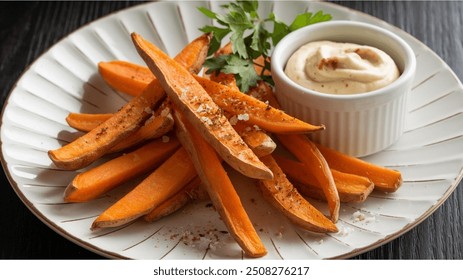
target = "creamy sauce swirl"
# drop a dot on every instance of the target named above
(341, 68)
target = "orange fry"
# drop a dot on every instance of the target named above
(281, 193)
(134, 80)
(190, 192)
(385, 179)
(351, 188)
(96, 181)
(306, 151)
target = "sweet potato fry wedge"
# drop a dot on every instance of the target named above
(188, 96)
(190, 192)
(306, 151)
(160, 123)
(86, 122)
(97, 181)
(351, 188)
(94, 144)
(258, 112)
(385, 179)
(257, 140)
(133, 82)
(220, 188)
(164, 182)
(125, 76)
(283, 195)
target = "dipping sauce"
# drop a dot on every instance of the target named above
(341, 68)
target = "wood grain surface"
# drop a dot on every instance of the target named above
(27, 29)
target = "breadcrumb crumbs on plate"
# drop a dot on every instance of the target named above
(344, 231)
(358, 216)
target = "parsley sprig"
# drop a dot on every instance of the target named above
(250, 38)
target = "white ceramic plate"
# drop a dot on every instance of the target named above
(65, 79)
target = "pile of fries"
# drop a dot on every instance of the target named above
(181, 127)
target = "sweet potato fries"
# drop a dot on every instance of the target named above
(179, 129)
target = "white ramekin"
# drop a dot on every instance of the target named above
(356, 124)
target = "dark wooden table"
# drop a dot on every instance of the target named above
(27, 29)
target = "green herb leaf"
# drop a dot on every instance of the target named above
(208, 13)
(245, 73)
(219, 34)
(280, 29)
(250, 39)
(308, 19)
(215, 63)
